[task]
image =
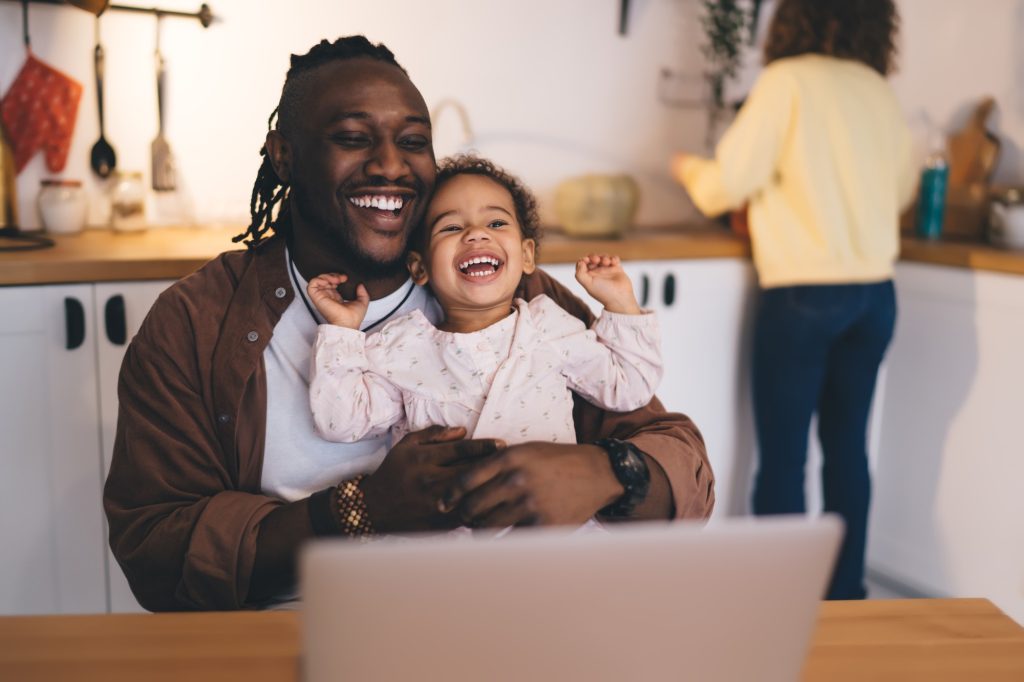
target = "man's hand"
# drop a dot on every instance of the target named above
(535, 483)
(406, 492)
(604, 279)
(323, 292)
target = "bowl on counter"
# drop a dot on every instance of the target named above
(596, 206)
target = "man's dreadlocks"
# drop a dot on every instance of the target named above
(268, 191)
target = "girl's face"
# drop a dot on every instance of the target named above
(476, 253)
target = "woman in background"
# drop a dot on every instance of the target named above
(821, 153)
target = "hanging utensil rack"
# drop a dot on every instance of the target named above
(204, 14)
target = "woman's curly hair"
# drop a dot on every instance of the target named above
(864, 30)
(522, 198)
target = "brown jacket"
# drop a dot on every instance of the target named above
(183, 495)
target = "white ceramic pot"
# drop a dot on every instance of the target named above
(63, 206)
(1006, 219)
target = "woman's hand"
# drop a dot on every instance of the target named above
(677, 164)
(323, 292)
(604, 279)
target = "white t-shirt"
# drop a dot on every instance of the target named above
(296, 461)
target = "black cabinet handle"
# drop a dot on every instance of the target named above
(645, 289)
(668, 293)
(74, 322)
(114, 318)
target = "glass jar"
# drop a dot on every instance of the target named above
(63, 206)
(128, 202)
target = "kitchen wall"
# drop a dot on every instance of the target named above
(550, 87)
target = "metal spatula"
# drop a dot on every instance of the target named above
(163, 175)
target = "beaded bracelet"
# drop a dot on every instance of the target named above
(353, 518)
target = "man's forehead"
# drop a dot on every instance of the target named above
(367, 86)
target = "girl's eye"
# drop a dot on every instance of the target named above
(450, 228)
(497, 223)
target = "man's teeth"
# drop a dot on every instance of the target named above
(382, 203)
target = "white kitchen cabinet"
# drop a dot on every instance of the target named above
(704, 310)
(50, 486)
(124, 305)
(58, 369)
(948, 508)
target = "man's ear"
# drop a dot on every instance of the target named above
(417, 268)
(279, 151)
(529, 256)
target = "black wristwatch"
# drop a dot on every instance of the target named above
(630, 468)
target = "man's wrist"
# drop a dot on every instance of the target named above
(352, 518)
(629, 465)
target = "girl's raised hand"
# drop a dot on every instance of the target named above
(323, 292)
(604, 279)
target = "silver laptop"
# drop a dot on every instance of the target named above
(734, 600)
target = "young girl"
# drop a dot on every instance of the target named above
(502, 367)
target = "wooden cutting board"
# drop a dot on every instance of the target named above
(973, 150)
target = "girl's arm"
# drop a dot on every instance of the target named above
(616, 365)
(349, 400)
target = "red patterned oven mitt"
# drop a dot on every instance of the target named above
(39, 112)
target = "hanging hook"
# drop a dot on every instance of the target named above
(24, 25)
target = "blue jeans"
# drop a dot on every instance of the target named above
(817, 349)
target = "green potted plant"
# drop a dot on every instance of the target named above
(724, 23)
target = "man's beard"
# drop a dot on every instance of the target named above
(368, 265)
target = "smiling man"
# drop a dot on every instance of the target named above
(218, 475)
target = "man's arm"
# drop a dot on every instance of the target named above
(181, 526)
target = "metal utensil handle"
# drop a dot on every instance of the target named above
(160, 73)
(99, 83)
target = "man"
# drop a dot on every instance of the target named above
(217, 475)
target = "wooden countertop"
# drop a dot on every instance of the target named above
(925, 639)
(169, 253)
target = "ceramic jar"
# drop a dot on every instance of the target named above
(63, 206)
(128, 202)
(596, 205)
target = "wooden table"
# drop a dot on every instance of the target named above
(925, 639)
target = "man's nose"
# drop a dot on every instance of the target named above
(387, 161)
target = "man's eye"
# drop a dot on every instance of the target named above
(497, 223)
(414, 143)
(351, 141)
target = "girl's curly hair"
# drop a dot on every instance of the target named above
(522, 198)
(864, 30)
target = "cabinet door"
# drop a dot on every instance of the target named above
(120, 309)
(52, 535)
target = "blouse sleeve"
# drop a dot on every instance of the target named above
(747, 155)
(349, 400)
(616, 365)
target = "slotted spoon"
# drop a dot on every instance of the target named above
(163, 175)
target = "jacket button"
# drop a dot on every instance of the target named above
(224, 418)
(280, 292)
(253, 336)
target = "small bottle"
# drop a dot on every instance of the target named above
(931, 206)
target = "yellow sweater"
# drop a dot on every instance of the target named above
(822, 154)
